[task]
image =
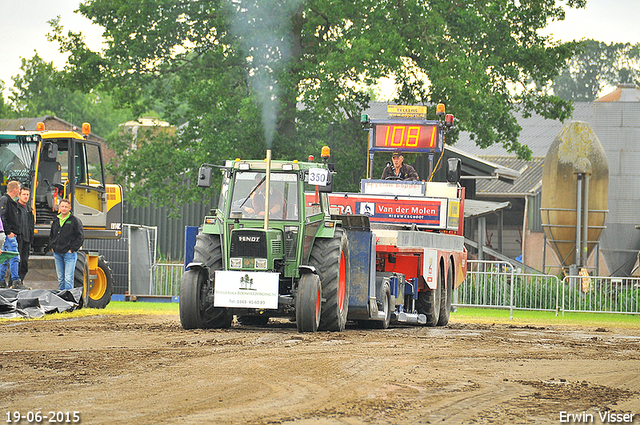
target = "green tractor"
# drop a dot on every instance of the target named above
(270, 249)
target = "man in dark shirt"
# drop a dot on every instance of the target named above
(399, 171)
(10, 215)
(26, 231)
(66, 238)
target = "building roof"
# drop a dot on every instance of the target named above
(624, 93)
(528, 183)
(537, 132)
(477, 208)
(29, 124)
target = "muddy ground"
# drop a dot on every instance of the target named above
(147, 370)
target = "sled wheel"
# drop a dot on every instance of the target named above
(445, 303)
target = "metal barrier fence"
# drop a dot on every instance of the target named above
(601, 294)
(166, 279)
(492, 284)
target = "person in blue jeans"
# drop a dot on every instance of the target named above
(11, 222)
(66, 238)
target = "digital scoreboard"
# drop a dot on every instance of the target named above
(407, 130)
(406, 137)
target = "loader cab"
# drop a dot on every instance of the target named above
(17, 154)
(72, 168)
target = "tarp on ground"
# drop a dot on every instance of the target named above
(34, 303)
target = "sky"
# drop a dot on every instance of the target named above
(23, 28)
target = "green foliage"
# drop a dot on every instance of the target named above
(41, 90)
(5, 110)
(598, 64)
(201, 61)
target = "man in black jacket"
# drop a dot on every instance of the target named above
(399, 171)
(10, 215)
(26, 231)
(66, 238)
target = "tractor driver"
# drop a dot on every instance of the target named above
(399, 171)
(276, 200)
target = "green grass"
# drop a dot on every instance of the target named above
(114, 308)
(526, 317)
(462, 315)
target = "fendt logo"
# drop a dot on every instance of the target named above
(249, 238)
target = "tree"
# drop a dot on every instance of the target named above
(40, 90)
(241, 74)
(595, 65)
(5, 110)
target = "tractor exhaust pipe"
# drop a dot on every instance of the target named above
(268, 191)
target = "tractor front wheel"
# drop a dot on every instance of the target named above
(308, 303)
(196, 288)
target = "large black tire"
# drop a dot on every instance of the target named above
(196, 289)
(81, 274)
(445, 303)
(98, 294)
(330, 257)
(385, 306)
(308, 303)
(428, 302)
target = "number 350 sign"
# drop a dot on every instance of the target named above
(318, 176)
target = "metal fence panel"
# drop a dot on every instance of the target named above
(170, 226)
(601, 294)
(117, 253)
(166, 279)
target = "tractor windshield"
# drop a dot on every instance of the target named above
(16, 161)
(249, 195)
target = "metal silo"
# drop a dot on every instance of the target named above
(617, 124)
(574, 193)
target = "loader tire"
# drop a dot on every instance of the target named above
(81, 274)
(308, 303)
(445, 303)
(196, 288)
(428, 302)
(330, 257)
(99, 294)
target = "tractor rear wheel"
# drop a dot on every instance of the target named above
(196, 288)
(308, 303)
(447, 292)
(331, 259)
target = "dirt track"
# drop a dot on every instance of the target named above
(147, 369)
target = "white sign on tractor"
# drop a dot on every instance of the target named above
(246, 289)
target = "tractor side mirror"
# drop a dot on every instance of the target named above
(204, 177)
(454, 166)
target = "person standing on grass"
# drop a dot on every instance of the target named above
(26, 231)
(66, 238)
(10, 215)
